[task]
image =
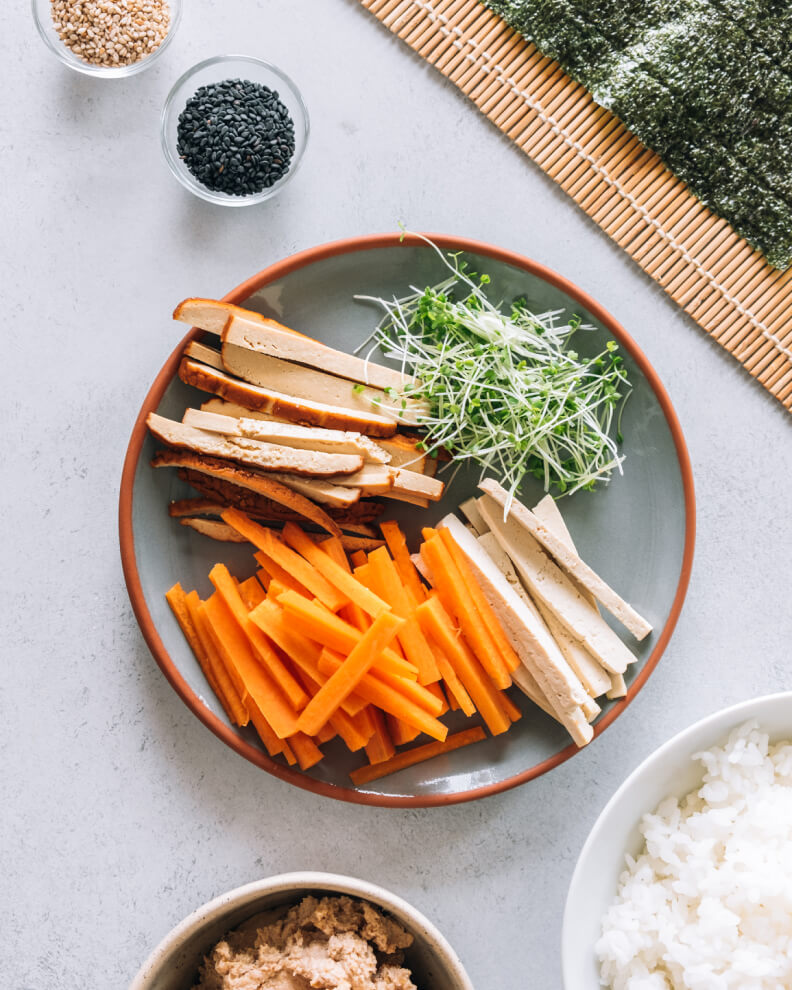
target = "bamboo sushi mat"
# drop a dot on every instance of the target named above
(712, 273)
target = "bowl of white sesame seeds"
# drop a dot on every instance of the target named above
(107, 38)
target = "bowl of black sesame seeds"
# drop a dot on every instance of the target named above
(234, 129)
(107, 38)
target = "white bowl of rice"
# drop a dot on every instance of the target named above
(685, 882)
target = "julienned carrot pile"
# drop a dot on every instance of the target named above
(318, 644)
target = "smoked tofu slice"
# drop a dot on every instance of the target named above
(213, 528)
(308, 383)
(569, 560)
(289, 435)
(212, 315)
(548, 584)
(325, 492)
(252, 453)
(268, 338)
(206, 355)
(528, 635)
(304, 411)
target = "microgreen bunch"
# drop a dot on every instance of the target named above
(504, 388)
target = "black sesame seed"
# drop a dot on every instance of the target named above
(236, 137)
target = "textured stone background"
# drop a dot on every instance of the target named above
(120, 811)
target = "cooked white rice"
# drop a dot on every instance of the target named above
(707, 905)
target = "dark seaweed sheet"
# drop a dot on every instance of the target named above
(706, 83)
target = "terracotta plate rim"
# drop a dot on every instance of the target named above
(126, 535)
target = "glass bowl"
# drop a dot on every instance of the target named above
(214, 70)
(42, 15)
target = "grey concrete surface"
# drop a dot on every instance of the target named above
(120, 812)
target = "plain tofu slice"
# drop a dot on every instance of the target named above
(597, 680)
(308, 383)
(470, 511)
(569, 560)
(501, 560)
(252, 453)
(528, 635)
(269, 338)
(288, 434)
(550, 585)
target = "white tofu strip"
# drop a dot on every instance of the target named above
(550, 585)
(470, 511)
(569, 560)
(309, 383)
(595, 679)
(252, 453)
(207, 355)
(618, 687)
(320, 491)
(304, 411)
(418, 485)
(524, 628)
(267, 337)
(288, 434)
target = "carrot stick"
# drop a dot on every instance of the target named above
(339, 723)
(389, 699)
(351, 671)
(234, 647)
(338, 577)
(305, 749)
(365, 775)
(334, 548)
(274, 570)
(364, 722)
(251, 592)
(325, 734)
(457, 600)
(380, 747)
(303, 652)
(438, 692)
(483, 607)
(283, 677)
(401, 732)
(453, 684)
(510, 708)
(277, 551)
(229, 696)
(357, 558)
(329, 629)
(177, 600)
(486, 698)
(271, 742)
(412, 690)
(397, 544)
(388, 585)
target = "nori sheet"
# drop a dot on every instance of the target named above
(707, 84)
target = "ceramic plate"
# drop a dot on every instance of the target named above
(637, 532)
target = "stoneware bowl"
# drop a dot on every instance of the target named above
(638, 532)
(173, 965)
(670, 770)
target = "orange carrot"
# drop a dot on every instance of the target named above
(510, 708)
(400, 732)
(388, 585)
(412, 690)
(338, 577)
(455, 689)
(234, 647)
(251, 592)
(483, 607)
(389, 699)
(177, 600)
(271, 742)
(329, 629)
(339, 723)
(438, 692)
(264, 577)
(305, 749)
(357, 558)
(283, 677)
(380, 747)
(303, 652)
(352, 670)
(325, 734)
(276, 550)
(437, 624)
(365, 775)
(334, 548)
(274, 570)
(397, 544)
(457, 600)
(230, 698)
